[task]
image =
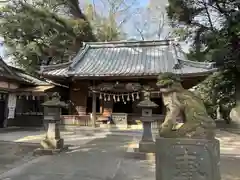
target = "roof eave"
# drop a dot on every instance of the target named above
(197, 74)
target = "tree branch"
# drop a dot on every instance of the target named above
(140, 32)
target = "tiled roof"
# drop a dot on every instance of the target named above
(19, 75)
(28, 78)
(124, 58)
(7, 72)
(60, 70)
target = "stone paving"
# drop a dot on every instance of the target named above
(229, 138)
(100, 159)
(12, 155)
(30, 136)
(95, 156)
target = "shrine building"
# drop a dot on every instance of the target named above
(21, 96)
(108, 77)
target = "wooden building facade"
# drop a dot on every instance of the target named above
(21, 96)
(108, 77)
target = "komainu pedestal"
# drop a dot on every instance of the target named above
(187, 159)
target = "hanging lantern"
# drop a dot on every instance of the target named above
(118, 98)
(114, 98)
(124, 102)
(123, 98)
(26, 97)
(137, 96)
(33, 97)
(128, 98)
(100, 96)
(109, 98)
(105, 98)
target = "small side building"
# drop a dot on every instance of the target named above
(21, 96)
(108, 77)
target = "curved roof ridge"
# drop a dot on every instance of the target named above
(11, 73)
(127, 43)
(79, 55)
(207, 65)
(55, 66)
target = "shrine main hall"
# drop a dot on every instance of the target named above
(109, 77)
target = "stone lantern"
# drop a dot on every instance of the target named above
(147, 144)
(52, 116)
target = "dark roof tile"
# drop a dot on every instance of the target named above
(136, 58)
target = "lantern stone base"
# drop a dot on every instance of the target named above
(43, 152)
(50, 147)
(52, 143)
(147, 146)
(134, 153)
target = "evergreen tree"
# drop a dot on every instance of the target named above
(43, 32)
(213, 29)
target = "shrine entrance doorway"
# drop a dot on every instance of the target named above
(123, 107)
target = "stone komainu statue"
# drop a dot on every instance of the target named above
(186, 106)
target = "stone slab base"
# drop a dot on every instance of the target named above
(52, 143)
(43, 152)
(134, 153)
(147, 147)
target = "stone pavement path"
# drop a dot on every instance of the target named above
(73, 136)
(100, 159)
(230, 168)
(12, 155)
(229, 138)
(229, 142)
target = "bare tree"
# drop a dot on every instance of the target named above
(151, 23)
(109, 16)
(120, 10)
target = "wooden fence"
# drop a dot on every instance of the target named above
(85, 120)
(77, 120)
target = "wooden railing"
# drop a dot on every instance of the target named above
(121, 118)
(78, 120)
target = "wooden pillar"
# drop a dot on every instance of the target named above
(94, 107)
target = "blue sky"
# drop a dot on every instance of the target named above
(144, 2)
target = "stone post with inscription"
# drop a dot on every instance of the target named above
(52, 115)
(147, 144)
(187, 159)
